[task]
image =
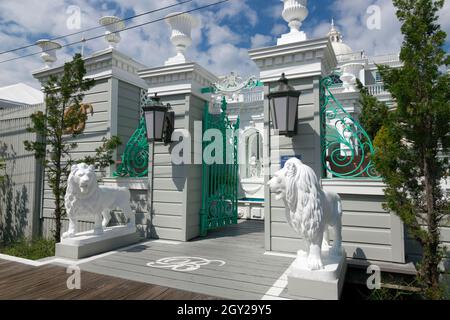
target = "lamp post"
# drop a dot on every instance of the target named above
(159, 120)
(283, 103)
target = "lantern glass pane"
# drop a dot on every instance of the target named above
(280, 108)
(159, 124)
(149, 121)
(272, 113)
(292, 118)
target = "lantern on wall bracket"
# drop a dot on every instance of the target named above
(283, 104)
(159, 120)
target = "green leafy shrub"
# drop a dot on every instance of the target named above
(34, 250)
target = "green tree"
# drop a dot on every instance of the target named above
(2, 169)
(63, 96)
(373, 112)
(416, 133)
(104, 154)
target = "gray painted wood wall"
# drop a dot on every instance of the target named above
(177, 188)
(414, 250)
(116, 107)
(19, 192)
(368, 231)
(278, 236)
(129, 108)
(97, 127)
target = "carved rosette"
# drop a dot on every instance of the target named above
(49, 49)
(181, 25)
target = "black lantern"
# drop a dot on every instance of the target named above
(283, 101)
(159, 120)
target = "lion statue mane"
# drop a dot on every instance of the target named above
(85, 198)
(310, 209)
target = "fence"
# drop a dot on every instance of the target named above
(20, 189)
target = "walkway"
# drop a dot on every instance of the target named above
(230, 263)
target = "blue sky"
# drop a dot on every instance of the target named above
(219, 44)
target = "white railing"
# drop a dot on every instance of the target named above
(357, 55)
(387, 58)
(253, 96)
(376, 89)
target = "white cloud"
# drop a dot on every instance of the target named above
(351, 20)
(221, 34)
(444, 19)
(273, 11)
(224, 58)
(30, 20)
(279, 29)
(220, 44)
(260, 40)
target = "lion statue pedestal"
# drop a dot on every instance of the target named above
(86, 200)
(319, 271)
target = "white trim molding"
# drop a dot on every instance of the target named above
(185, 78)
(296, 60)
(103, 64)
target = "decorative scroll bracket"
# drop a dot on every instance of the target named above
(347, 149)
(135, 158)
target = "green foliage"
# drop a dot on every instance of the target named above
(391, 294)
(416, 132)
(373, 113)
(33, 250)
(104, 154)
(2, 169)
(54, 146)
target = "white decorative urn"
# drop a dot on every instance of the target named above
(49, 49)
(350, 72)
(182, 25)
(113, 26)
(294, 13)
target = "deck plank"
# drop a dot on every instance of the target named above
(19, 281)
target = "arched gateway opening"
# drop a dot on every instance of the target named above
(233, 177)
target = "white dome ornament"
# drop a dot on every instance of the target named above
(113, 26)
(182, 25)
(294, 13)
(49, 49)
(339, 47)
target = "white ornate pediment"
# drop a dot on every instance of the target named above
(234, 83)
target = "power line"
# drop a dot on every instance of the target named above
(95, 28)
(126, 29)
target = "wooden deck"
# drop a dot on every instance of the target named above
(20, 282)
(229, 263)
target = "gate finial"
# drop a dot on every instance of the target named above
(181, 25)
(294, 13)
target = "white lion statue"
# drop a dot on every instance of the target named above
(85, 198)
(311, 209)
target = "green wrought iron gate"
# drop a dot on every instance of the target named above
(220, 178)
(347, 149)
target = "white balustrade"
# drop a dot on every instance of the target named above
(376, 89)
